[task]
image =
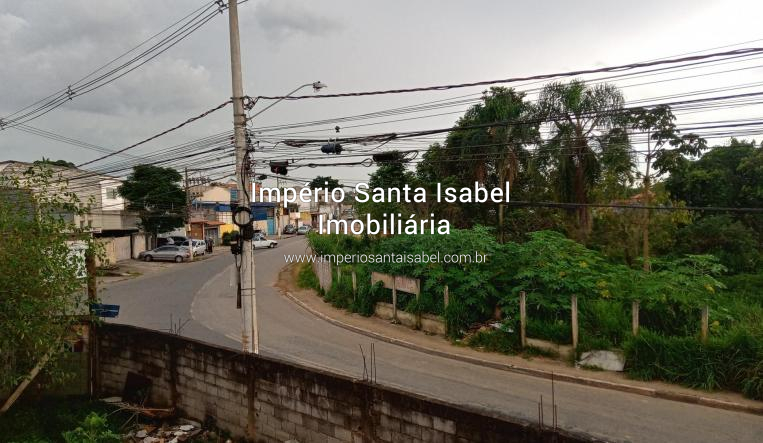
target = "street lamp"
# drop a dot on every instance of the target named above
(317, 86)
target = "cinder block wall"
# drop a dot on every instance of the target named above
(268, 400)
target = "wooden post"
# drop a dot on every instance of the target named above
(705, 320)
(523, 318)
(394, 301)
(354, 284)
(574, 308)
(634, 317)
(445, 296)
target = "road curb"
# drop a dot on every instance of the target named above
(648, 392)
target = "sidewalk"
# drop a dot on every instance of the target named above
(536, 366)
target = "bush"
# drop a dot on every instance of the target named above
(735, 244)
(306, 278)
(94, 429)
(495, 341)
(340, 295)
(732, 361)
(604, 322)
(557, 331)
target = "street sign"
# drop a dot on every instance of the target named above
(104, 310)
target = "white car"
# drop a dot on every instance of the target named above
(259, 241)
(199, 246)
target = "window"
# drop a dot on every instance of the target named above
(112, 193)
(234, 195)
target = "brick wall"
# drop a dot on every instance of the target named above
(264, 399)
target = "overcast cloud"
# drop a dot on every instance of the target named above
(348, 44)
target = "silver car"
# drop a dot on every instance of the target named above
(166, 253)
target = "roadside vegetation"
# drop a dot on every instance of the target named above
(603, 206)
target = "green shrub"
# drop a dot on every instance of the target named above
(732, 361)
(306, 278)
(604, 322)
(94, 429)
(340, 295)
(557, 331)
(495, 340)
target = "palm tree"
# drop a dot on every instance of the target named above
(492, 155)
(581, 117)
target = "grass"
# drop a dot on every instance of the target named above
(732, 361)
(306, 278)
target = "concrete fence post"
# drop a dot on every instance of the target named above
(354, 284)
(574, 309)
(445, 296)
(523, 318)
(705, 321)
(634, 317)
(394, 301)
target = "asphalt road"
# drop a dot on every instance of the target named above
(203, 292)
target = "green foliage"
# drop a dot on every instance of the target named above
(46, 419)
(557, 331)
(154, 192)
(550, 268)
(227, 236)
(340, 295)
(41, 278)
(577, 111)
(732, 361)
(94, 429)
(321, 182)
(608, 322)
(306, 278)
(495, 340)
(734, 244)
(47, 161)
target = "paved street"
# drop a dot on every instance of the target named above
(204, 292)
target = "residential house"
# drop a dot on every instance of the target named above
(107, 217)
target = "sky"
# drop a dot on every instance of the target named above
(350, 45)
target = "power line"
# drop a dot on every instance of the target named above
(629, 66)
(167, 131)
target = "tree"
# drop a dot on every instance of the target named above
(492, 153)
(321, 182)
(581, 117)
(390, 174)
(154, 192)
(47, 161)
(658, 124)
(726, 176)
(41, 276)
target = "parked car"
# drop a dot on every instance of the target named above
(303, 230)
(260, 241)
(166, 253)
(199, 246)
(289, 229)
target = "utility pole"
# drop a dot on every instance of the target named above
(277, 211)
(188, 211)
(249, 332)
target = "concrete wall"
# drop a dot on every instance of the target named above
(268, 400)
(114, 250)
(139, 242)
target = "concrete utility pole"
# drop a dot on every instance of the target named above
(188, 211)
(249, 332)
(277, 212)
